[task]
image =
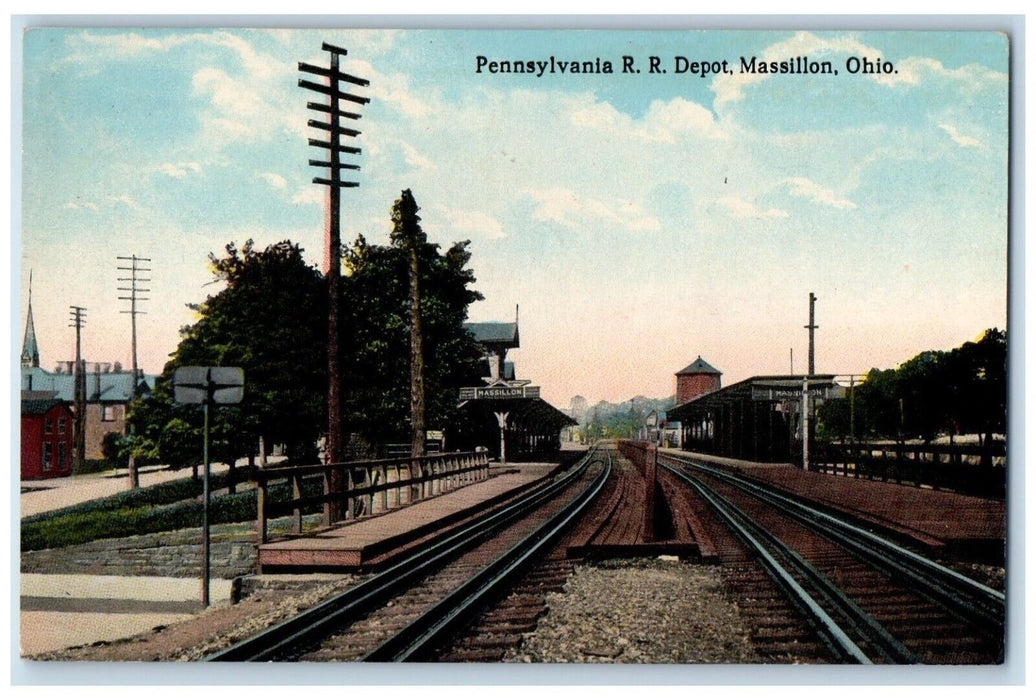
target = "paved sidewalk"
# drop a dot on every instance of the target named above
(59, 611)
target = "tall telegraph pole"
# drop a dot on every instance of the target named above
(133, 298)
(78, 314)
(134, 268)
(332, 88)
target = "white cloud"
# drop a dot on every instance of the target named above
(563, 206)
(81, 205)
(228, 95)
(959, 138)
(804, 187)
(273, 180)
(414, 158)
(475, 223)
(912, 70)
(740, 209)
(124, 200)
(309, 195)
(393, 90)
(664, 122)
(178, 170)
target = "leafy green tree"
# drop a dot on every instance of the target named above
(963, 390)
(269, 319)
(376, 336)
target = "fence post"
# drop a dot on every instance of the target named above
(327, 496)
(350, 502)
(296, 513)
(260, 508)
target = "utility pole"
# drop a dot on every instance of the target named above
(134, 290)
(78, 314)
(332, 88)
(812, 327)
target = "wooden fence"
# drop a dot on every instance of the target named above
(373, 486)
(979, 470)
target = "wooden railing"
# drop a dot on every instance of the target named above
(373, 486)
(978, 470)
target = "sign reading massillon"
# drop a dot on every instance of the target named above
(474, 393)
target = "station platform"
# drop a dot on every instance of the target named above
(370, 543)
(939, 522)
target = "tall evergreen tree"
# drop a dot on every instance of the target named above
(407, 234)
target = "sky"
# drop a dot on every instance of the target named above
(638, 220)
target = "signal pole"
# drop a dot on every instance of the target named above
(807, 403)
(812, 327)
(134, 290)
(332, 89)
(78, 314)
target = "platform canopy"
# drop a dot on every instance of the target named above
(755, 419)
(533, 427)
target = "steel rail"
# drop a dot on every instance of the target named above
(829, 631)
(877, 637)
(300, 631)
(976, 603)
(418, 640)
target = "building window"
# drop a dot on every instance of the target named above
(47, 456)
(48, 426)
(61, 426)
(62, 463)
(109, 413)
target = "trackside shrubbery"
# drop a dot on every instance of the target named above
(173, 505)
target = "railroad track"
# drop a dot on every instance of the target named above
(410, 610)
(865, 599)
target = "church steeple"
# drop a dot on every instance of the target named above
(30, 350)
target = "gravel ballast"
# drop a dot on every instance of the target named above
(639, 611)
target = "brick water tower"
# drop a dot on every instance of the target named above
(696, 379)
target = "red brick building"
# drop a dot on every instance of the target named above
(47, 445)
(696, 379)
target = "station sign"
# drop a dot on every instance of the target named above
(476, 393)
(789, 392)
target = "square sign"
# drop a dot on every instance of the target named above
(194, 384)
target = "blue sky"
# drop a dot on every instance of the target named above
(638, 220)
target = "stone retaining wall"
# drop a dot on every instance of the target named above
(178, 554)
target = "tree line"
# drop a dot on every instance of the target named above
(270, 318)
(956, 392)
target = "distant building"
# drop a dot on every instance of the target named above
(696, 379)
(578, 407)
(109, 391)
(46, 436)
(108, 396)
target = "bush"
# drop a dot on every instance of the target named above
(93, 466)
(173, 505)
(86, 525)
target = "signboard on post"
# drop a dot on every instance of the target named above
(205, 386)
(193, 384)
